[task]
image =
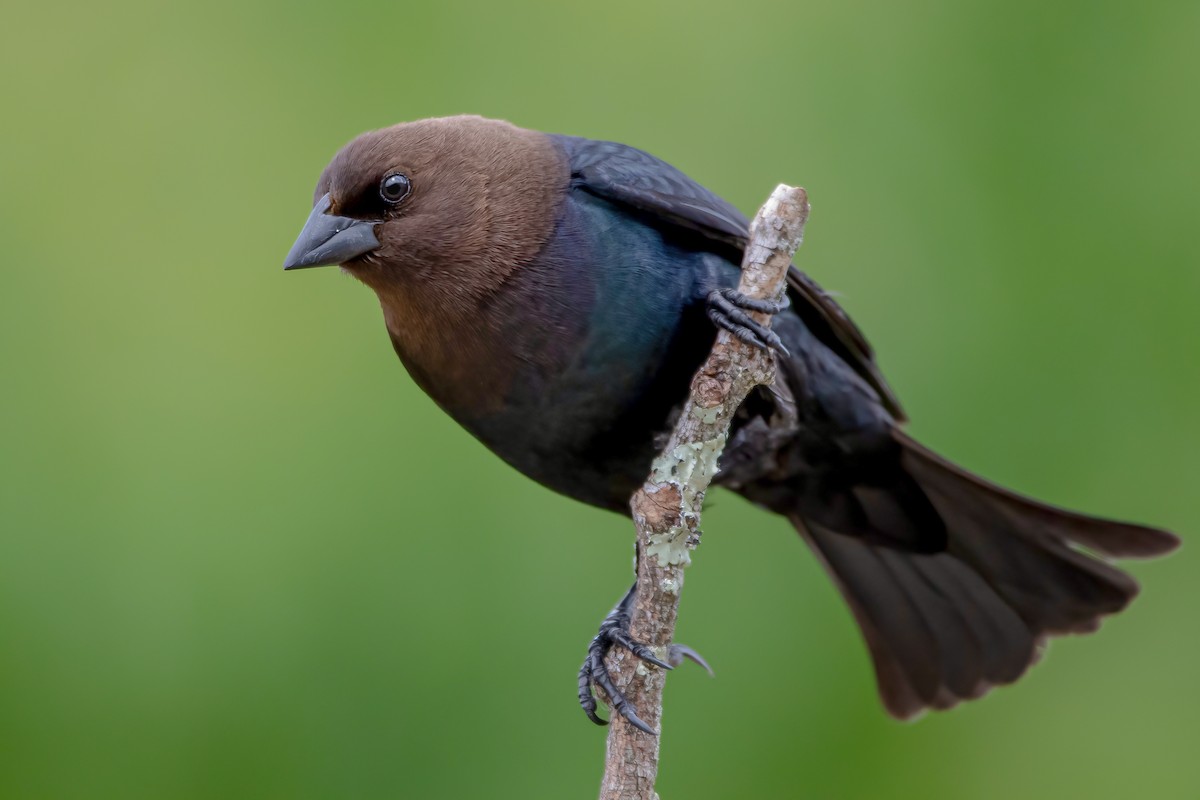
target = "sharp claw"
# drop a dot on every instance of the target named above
(594, 718)
(640, 650)
(658, 662)
(645, 655)
(681, 651)
(777, 344)
(636, 721)
(751, 339)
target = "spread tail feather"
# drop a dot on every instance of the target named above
(946, 626)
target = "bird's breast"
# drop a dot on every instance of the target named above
(570, 368)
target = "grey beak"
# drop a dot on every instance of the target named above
(327, 240)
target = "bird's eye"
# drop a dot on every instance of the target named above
(394, 188)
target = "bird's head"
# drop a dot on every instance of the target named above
(421, 200)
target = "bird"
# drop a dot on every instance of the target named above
(555, 294)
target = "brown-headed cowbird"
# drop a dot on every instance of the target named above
(555, 294)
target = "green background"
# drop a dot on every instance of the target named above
(242, 556)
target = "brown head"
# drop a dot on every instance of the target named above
(454, 203)
(435, 216)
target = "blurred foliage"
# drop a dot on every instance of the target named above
(241, 556)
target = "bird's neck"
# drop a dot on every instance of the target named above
(447, 342)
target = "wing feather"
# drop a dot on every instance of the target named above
(650, 186)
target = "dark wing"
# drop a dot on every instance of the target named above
(638, 180)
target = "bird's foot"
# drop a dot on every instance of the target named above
(614, 630)
(727, 309)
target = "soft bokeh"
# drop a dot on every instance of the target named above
(242, 556)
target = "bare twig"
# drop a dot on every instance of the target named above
(666, 510)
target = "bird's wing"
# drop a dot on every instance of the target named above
(650, 186)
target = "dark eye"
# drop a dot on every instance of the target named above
(394, 188)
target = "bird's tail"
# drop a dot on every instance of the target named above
(947, 623)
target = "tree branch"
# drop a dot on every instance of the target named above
(666, 510)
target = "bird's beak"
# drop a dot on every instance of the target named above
(327, 239)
